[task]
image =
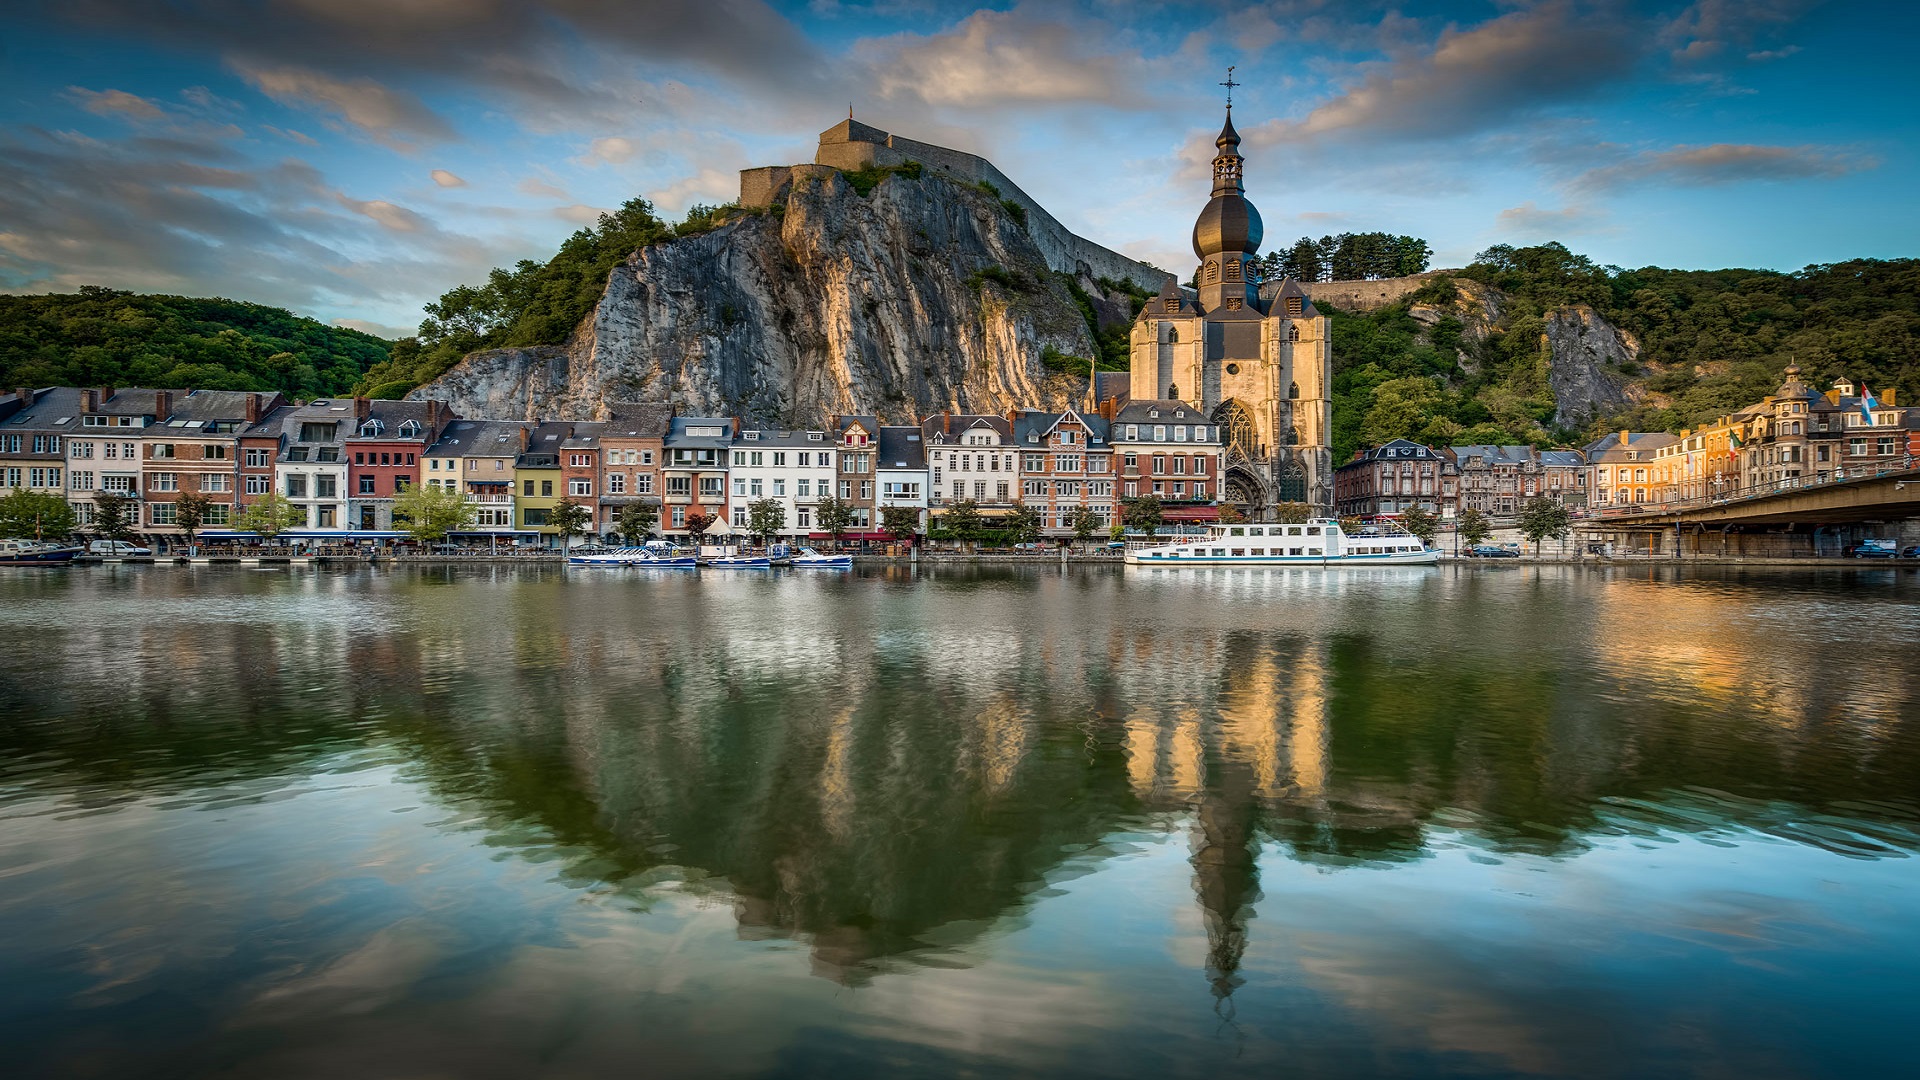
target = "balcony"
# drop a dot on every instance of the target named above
(491, 500)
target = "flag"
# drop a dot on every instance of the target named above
(1733, 443)
(1868, 403)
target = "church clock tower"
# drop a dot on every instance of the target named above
(1253, 357)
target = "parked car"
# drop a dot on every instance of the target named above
(1492, 551)
(1912, 552)
(1031, 547)
(116, 548)
(1876, 549)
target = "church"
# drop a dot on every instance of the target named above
(1257, 361)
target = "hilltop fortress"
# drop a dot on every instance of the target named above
(851, 146)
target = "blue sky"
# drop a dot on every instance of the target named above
(352, 159)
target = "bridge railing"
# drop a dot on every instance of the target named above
(1837, 477)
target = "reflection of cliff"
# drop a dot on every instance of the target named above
(872, 765)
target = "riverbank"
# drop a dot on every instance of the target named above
(950, 559)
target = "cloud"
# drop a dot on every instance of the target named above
(1763, 55)
(1479, 79)
(292, 136)
(116, 103)
(446, 179)
(998, 58)
(380, 330)
(580, 214)
(706, 184)
(390, 116)
(611, 149)
(1724, 163)
(1530, 220)
(394, 218)
(1706, 28)
(541, 189)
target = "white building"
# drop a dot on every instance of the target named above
(900, 471)
(794, 468)
(971, 457)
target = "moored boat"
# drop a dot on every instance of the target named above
(740, 562)
(806, 557)
(1316, 542)
(35, 553)
(637, 556)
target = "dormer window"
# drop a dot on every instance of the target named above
(1153, 414)
(410, 429)
(371, 428)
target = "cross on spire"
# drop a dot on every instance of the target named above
(1230, 84)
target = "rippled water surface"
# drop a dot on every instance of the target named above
(524, 822)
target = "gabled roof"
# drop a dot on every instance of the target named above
(1032, 427)
(285, 422)
(703, 432)
(1399, 450)
(479, 438)
(392, 415)
(1493, 455)
(803, 439)
(1171, 412)
(947, 428)
(1290, 287)
(1115, 386)
(211, 406)
(45, 412)
(1158, 308)
(638, 419)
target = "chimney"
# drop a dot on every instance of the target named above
(89, 400)
(253, 409)
(433, 419)
(361, 406)
(162, 405)
(105, 394)
(1624, 440)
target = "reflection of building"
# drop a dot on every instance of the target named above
(1256, 364)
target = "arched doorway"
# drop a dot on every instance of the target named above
(1241, 488)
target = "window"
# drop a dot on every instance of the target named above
(216, 482)
(45, 478)
(213, 452)
(360, 459)
(121, 484)
(711, 487)
(779, 487)
(802, 488)
(1034, 462)
(779, 457)
(366, 485)
(1179, 433)
(1035, 489)
(322, 432)
(846, 489)
(646, 457)
(616, 483)
(533, 517)
(739, 517)
(46, 444)
(325, 487)
(80, 449)
(643, 483)
(160, 513)
(580, 461)
(81, 481)
(579, 486)
(165, 481)
(740, 486)
(754, 487)
(803, 517)
(218, 514)
(679, 485)
(160, 451)
(259, 485)
(679, 515)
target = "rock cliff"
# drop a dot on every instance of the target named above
(921, 296)
(1588, 353)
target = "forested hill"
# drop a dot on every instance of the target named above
(1470, 356)
(104, 337)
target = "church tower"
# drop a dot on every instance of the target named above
(1254, 358)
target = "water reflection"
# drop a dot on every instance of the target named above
(884, 767)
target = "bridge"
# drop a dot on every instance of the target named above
(1802, 515)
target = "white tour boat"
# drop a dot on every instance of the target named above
(1319, 542)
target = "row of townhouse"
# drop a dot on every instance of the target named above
(1449, 480)
(1793, 435)
(340, 462)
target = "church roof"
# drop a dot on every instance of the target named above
(1290, 287)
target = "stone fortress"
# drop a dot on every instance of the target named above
(852, 146)
(1254, 359)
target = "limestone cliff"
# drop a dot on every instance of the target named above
(1588, 353)
(923, 295)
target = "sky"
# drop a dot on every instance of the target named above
(353, 159)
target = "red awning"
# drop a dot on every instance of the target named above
(1191, 513)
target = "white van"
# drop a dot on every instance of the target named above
(116, 549)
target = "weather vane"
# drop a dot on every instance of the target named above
(1230, 84)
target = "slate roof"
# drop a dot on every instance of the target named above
(1493, 455)
(1032, 426)
(543, 446)
(900, 447)
(1611, 448)
(217, 406)
(1171, 412)
(391, 415)
(44, 414)
(803, 439)
(1403, 449)
(945, 429)
(638, 419)
(677, 433)
(478, 438)
(1115, 386)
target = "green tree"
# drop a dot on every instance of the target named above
(272, 514)
(190, 513)
(637, 521)
(1024, 524)
(765, 519)
(964, 521)
(1143, 514)
(428, 514)
(569, 519)
(834, 517)
(1421, 523)
(1292, 513)
(900, 522)
(1231, 515)
(112, 513)
(1474, 528)
(1542, 517)
(35, 514)
(1084, 523)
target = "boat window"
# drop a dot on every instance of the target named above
(1219, 553)
(1239, 552)
(1236, 531)
(1294, 531)
(1313, 530)
(1295, 551)
(1256, 532)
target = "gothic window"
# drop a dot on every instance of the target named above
(1236, 428)
(1293, 389)
(1173, 391)
(1293, 332)
(1173, 334)
(1293, 483)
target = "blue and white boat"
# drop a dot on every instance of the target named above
(1317, 542)
(34, 553)
(740, 562)
(661, 556)
(806, 557)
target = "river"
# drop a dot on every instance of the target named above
(538, 821)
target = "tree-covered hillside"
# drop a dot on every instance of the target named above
(1710, 342)
(104, 337)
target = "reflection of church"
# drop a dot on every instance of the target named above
(1260, 366)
